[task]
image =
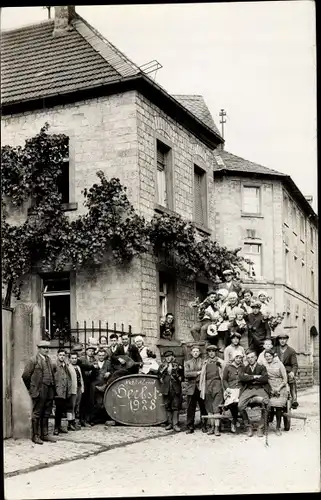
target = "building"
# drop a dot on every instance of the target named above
(120, 121)
(263, 212)
(164, 149)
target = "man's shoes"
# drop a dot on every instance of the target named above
(37, 440)
(55, 432)
(190, 431)
(260, 432)
(210, 431)
(168, 427)
(61, 430)
(295, 404)
(278, 432)
(249, 431)
(71, 426)
(176, 428)
(48, 439)
(217, 431)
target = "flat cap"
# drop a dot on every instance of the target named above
(43, 343)
(168, 353)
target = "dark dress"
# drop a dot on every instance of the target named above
(213, 389)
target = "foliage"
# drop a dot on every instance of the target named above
(48, 237)
(276, 320)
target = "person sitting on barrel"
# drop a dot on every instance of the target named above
(150, 364)
(171, 375)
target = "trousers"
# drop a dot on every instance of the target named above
(192, 401)
(43, 403)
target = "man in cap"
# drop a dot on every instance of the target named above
(288, 357)
(230, 283)
(171, 374)
(192, 370)
(258, 329)
(254, 388)
(211, 389)
(38, 377)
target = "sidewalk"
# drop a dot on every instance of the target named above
(21, 456)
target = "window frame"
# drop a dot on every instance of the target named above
(170, 279)
(248, 256)
(198, 170)
(61, 276)
(169, 177)
(246, 185)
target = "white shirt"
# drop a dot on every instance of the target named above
(126, 348)
(100, 364)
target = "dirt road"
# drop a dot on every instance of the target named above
(195, 464)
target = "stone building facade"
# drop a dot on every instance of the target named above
(264, 213)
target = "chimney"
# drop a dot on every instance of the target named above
(63, 17)
(309, 199)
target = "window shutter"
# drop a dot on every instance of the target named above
(198, 198)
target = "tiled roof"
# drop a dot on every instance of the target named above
(35, 64)
(230, 162)
(196, 105)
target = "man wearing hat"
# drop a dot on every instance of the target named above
(171, 374)
(258, 329)
(38, 377)
(192, 371)
(287, 356)
(231, 284)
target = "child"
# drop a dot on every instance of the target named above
(264, 299)
(170, 374)
(268, 346)
(234, 348)
(238, 325)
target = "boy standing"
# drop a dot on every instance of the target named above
(170, 374)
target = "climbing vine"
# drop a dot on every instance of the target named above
(110, 225)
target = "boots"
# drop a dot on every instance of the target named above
(169, 425)
(203, 425)
(249, 430)
(211, 426)
(71, 426)
(77, 425)
(175, 421)
(44, 432)
(294, 395)
(217, 427)
(36, 431)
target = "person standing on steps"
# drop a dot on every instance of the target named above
(287, 356)
(38, 377)
(63, 389)
(231, 387)
(211, 389)
(192, 371)
(171, 374)
(278, 383)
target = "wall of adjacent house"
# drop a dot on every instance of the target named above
(186, 151)
(102, 136)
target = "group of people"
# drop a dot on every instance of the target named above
(75, 383)
(231, 312)
(235, 384)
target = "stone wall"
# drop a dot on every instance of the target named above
(7, 353)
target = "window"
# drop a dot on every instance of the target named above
(286, 209)
(253, 253)
(302, 227)
(63, 181)
(163, 181)
(294, 219)
(56, 305)
(251, 200)
(287, 266)
(295, 271)
(200, 196)
(311, 237)
(303, 277)
(166, 294)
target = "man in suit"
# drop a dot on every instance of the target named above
(258, 329)
(171, 374)
(231, 284)
(192, 370)
(102, 371)
(254, 388)
(132, 351)
(38, 377)
(287, 356)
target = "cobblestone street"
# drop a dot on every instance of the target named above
(160, 464)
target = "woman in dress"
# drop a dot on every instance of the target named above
(211, 388)
(234, 348)
(231, 387)
(150, 364)
(278, 383)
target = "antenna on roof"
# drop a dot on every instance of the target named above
(49, 9)
(151, 67)
(222, 115)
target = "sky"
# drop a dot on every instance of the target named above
(257, 60)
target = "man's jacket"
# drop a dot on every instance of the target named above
(35, 371)
(247, 380)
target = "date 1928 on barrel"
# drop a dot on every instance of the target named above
(136, 400)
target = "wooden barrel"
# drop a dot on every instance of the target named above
(135, 400)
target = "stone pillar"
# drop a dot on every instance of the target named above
(26, 332)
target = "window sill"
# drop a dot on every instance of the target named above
(257, 216)
(203, 229)
(163, 210)
(67, 207)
